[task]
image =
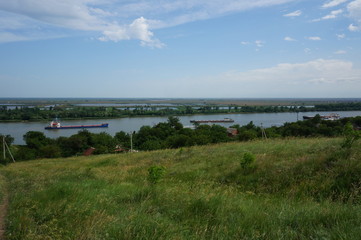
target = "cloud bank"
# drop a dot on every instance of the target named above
(316, 78)
(293, 14)
(354, 9)
(109, 19)
(333, 3)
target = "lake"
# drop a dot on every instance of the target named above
(18, 129)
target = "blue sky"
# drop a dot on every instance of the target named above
(180, 48)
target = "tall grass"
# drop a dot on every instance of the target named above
(297, 189)
(2, 186)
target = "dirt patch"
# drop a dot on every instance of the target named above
(3, 212)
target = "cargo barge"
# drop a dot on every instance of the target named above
(331, 117)
(226, 120)
(55, 124)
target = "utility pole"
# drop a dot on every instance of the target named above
(7, 147)
(4, 147)
(263, 132)
(131, 142)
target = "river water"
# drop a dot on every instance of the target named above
(18, 129)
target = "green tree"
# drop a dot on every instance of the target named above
(175, 123)
(123, 139)
(103, 143)
(35, 139)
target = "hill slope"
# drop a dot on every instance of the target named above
(296, 189)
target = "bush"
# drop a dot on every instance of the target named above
(155, 174)
(247, 160)
(351, 136)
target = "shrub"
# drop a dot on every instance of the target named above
(155, 174)
(351, 136)
(247, 160)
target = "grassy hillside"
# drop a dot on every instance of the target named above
(295, 189)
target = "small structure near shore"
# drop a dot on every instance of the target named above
(89, 151)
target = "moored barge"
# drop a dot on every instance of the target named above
(55, 124)
(226, 120)
(331, 117)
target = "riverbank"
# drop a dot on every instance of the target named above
(131, 124)
(91, 110)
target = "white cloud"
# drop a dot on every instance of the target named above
(314, 38)
(116, 20)
(334, 71)
(259, 43)
(10, 37)
(340, 52)
(293, 14)
(175, 12)
(289, 39)
(353, 28)
(340, 36)
(317, 78)
(333, 3)
(307, 50)
(75, 15)
(138, 29)
(333, 14)
(354, 9)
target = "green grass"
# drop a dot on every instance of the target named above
(296, 189)
(2, 186)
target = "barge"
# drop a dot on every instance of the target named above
(226, 120)
(55, 124)
(331, 117)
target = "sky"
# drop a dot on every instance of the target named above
(180, 48)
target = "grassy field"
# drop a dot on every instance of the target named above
(295, 189)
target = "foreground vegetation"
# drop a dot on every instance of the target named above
(270, 189)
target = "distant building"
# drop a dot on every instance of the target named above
(89, 151)
(232, 132)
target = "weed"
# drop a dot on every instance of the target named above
(247, 160)
(155, 174)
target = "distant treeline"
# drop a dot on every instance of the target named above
(23, 113)
(170, 134)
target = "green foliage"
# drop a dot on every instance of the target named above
(247, 160)
(350, 136)
(155, 174)
(25, 153)
(35, 139)
(50, 151)
(122, 139)
(103, 143)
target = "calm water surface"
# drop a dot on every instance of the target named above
(17, 130)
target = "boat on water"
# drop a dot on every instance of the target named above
(55, 124)
(331, 117)
(226, 120)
